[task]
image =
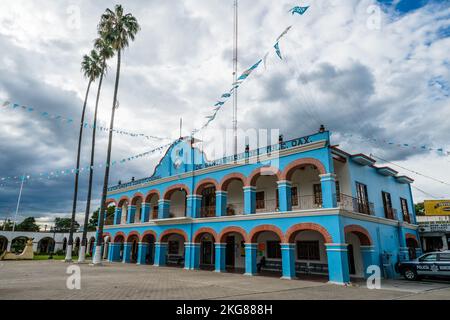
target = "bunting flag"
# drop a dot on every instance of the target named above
(299, 10)
(439, 150)
(284, 33)
(102, 128)
(57, 173)
(218, 105)
(277, 50)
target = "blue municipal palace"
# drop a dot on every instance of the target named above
(295, 208)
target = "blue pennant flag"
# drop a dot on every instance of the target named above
(299, 10)
(253, 67)
(219, 103)
(226, 95)
(277, 50)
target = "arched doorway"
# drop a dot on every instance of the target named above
(309, 245)
(133, 241)
(206, 239)
(266, 192)
(46, 245)
(175, 248)
(177, 197)
(412, 244)
(357, 238)
(149, 238)
(151, 201)
(123, 207)
(206, 189)
(234, 238)
(137, 203)
(268, 249)
(306, 188)
(109, 217)
(233, 184)
(3, 244)
(119, 241)
(18, 244)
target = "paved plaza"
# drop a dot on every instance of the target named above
(47, 280)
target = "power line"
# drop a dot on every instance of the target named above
(426, 193)
(412, 171)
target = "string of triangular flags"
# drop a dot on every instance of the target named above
(442, 151)
(58, 173)
(7, 105)
(225, 96)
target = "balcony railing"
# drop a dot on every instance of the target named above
(235, 208)
(390, 213)
(352, 204)
(207, 211)
(269, 205)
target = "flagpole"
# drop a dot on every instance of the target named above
(18, 203)
(235, 65)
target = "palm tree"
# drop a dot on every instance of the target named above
(105, 52)
(90, 71)
(118, 29)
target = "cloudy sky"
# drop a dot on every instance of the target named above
(365, 69)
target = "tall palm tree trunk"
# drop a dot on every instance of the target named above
(75, 193)
(98, 249)
(82, 252)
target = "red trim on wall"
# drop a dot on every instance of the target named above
(265, 227)
(173, 231)
(203, 230)
(362, 233)
(168, 192)
(292, 231)
(223, 186)
(201, 185)
(251, 180)
(291, 167)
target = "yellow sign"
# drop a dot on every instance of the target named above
(437, 207)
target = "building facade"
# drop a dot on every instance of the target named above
(434, 232)
(302, 206)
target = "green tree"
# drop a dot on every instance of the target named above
(105, 52)
(28, 224)
(63, 224)
(420, 209)
(118, 29)
(93, 221)
(91, 70)
(6, 225)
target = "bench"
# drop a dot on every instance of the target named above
(271, 265)
(175, 260)
(300, 267)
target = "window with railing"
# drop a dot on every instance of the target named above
(208, 203)
(308, 250)
(362, 198)
(260, 203)
(405, 211)
(155, 212)
(387, 204)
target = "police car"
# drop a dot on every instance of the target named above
(432, 264)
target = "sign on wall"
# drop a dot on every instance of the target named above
(437, 207)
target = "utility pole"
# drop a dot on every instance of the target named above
(18, 202)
